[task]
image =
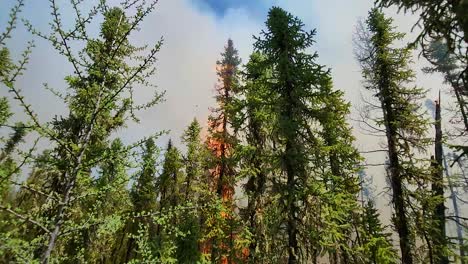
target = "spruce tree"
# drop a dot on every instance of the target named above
(144, 195)
(221, 143)
(170, 181)
(101, 241)
(341, 180)
(169, 186)
(387, 74)
(311, 143)
(194, 195)
(112, 204)
(377, 244)
(445, 23)
(194, 160)
(220, 139)
(253, 116)
(144, 198)
(282, 44)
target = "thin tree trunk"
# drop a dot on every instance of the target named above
(456, 209)
(59, 219)
(71, 184)
(293, 248)
(401, 221)
(71, 178)
(188, 182)
(255, 186)
(438, 189)
(396, 178)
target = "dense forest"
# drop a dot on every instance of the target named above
(276, 177)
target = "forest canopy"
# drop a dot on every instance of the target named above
(273, 175)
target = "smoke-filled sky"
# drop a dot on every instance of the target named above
(195, 32)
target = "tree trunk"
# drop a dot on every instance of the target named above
(290, 155)
(438, 189)
(456, 209)
(401, 221)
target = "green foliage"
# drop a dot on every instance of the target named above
(99, 98)
(144, 193)
(194, 161)
(252, 116)
(301, 146)
(443, 39)
(279, 131)
(221, 142)
(377, 245)
(387, 73)
(447, 19)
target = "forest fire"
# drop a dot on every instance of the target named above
(278, 174)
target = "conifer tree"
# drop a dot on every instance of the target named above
(342, 180)
(446, 63)
(194, 194)
(112, 204)
(437, 184)
(253, 116)
(144, 195)
(193, 160)
(221, 139)
(446, 24)
(169, 186)
(377, 243)
(170, 181)
(317, 165)
(283, 44)
(221, 143)
(386, 73)
(144, 198)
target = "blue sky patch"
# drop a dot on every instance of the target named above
(219, 7)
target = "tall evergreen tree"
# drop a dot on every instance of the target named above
(169, 186)
(446, 23)
(170, 181)
(312, 144)
(220, 139)
(104, 240)
(221, 142)
(283, 44)
(386, 73)
(144, 194)
(194, 194)
(144, 198)
(253, 116)
(342, 180)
